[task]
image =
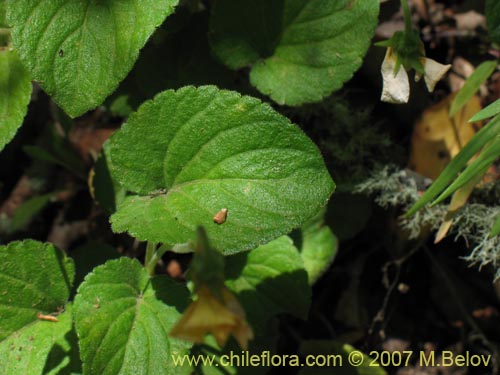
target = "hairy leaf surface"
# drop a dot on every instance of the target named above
(78, 50)
(15, 94)
(123, 317)
(188, 154)
(300, 50)
(35, 278)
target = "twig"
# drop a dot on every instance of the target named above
(380, 316)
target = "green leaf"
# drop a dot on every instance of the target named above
(490, 111)
(15, 95)
(78, 50)
(318, 250)
(123, 317)
(338, 355)
(34, 278)
(493, 19)
(300, 50)
(190, 153)
(473, 83)
(43, 347)
(482, 137)
(269, 280)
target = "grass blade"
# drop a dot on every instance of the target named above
(472, 84)
(491, 130)
(492, 110)
(490, 153)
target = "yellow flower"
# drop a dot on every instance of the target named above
(221, 316)
(396, 88)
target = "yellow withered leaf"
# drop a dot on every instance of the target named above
(437, 138)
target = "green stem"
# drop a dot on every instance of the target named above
(149, 261)
(153, 256)
(407, 16)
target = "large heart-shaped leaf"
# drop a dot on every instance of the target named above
(35, 278)
(300, 50)
(79, 50)
(15, 94)
(123, 317)
(188, 154)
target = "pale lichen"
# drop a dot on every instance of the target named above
(394, 187)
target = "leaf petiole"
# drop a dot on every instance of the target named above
(150, 260)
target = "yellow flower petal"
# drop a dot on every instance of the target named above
(210, 315)
(396, 88)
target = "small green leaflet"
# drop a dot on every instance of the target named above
(123, 317)
(15, 94)
(79, 50)
(318, 247)
(188, 154)
(300, 50)
(35, 278)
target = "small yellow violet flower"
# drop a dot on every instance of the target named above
(216, 310)
(220, 317)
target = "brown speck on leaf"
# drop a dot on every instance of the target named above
(49, 318)
(220, 217)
